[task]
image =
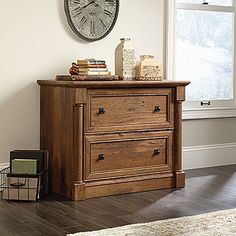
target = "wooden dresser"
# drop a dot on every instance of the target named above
(112, 137)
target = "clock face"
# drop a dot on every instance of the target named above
(91, 19)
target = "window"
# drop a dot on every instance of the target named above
(204, 53)
(209, 2)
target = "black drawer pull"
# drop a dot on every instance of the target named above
(101, 110)
(157, 152)
(157, 109)
(101, 157)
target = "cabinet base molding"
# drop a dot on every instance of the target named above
(126, 185)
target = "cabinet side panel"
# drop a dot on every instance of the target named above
(56, 136)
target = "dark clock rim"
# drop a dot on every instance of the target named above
(74, 29)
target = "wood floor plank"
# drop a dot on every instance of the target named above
(206, 190)
(29, 218)
(11, 226)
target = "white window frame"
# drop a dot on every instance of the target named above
(193, 110)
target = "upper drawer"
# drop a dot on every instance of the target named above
(125, 109)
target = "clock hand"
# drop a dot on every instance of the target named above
(92, 2)
(97, 5)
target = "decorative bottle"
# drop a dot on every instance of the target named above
(125, 60)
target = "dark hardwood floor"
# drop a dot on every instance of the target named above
(206, 190)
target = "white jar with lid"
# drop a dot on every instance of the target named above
(148, 68)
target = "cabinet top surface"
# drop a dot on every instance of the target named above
(109, 84)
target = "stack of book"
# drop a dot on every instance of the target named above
(92, 67)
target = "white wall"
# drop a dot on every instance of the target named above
(37, 43)
(209, 142)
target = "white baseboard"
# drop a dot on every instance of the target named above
(209, 155)
(3, 165)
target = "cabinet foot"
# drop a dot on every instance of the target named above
(180, 179)
(78, 192)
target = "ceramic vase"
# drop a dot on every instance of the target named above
(125, 60)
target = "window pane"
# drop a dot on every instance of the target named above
(205, 53)
(210, 2)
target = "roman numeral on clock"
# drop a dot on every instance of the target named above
(103, 24)
(77, 13)
(108, 13)
(83, 21)
(109, 2)
(92, 27)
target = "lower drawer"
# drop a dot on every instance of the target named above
(122, 155)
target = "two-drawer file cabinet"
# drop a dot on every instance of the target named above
(112, 137)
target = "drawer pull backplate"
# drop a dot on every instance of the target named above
(157, 152)
(101, 157)
(101, 110)
(157, 109)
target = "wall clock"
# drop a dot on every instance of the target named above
(91, 20)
